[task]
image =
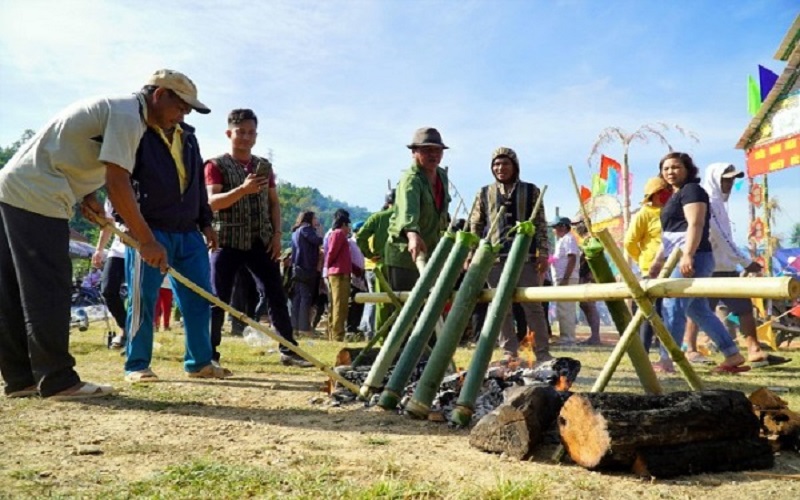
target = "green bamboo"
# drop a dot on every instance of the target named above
(457, 319)
(431, 313)
(621, 315)
(644, 303)
(405, 319)
(631, 332)
(495, 316)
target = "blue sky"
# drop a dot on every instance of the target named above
(340, 86)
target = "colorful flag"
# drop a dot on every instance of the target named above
(795, 311)
(612, 183)
(753, 96)
(586, 193)
(607, 163)
(598, 185)
(766, 80)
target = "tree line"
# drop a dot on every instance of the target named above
(293, 200)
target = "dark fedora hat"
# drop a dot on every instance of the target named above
(427, 136)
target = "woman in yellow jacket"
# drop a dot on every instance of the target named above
(642, 241)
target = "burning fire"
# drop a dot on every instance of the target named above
(526, 348)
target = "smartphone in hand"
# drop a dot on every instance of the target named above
(262, 169)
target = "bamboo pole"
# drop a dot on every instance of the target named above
(780, 288)
(645, 303)
(496, 316)
(601, 270)
(244, 318)
(428, 319)
(631, 332)
(394, 340)
(457, 319)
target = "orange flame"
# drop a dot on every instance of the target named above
(526, 348)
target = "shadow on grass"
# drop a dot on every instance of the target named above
(304, 418)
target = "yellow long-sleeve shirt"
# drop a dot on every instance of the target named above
(643, 238)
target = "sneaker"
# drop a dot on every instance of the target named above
(213, 370)
(295, 360)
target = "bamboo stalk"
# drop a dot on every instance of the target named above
(781, 288)
(586, 220)
(601, 270)
(631, 332)
(495, 316)
(428, 320)
(401, 327)
(457, 319)
(244, 318)
(645, 303)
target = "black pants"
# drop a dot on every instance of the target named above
(266, 273)
(245, 298)
(35, 289)
(113, 277)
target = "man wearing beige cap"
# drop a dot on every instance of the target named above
(64, 163)
(420, 215)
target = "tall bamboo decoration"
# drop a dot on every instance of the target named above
(401, 327)
(431, 313)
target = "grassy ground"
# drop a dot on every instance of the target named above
(268, 433)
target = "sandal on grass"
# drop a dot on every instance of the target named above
(730, 369)
(662, 367)
(696, 358)
(24, 393)
(769, 360)
(141, 376)
(211, 371)
(87, 390)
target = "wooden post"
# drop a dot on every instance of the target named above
(646, 305)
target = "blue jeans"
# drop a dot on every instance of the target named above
(675, 310)
(187, 253)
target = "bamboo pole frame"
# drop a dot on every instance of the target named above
(646, 305)
(780, 288)
(244, 318)
(630, 333)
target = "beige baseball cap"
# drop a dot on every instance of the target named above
(181, 84)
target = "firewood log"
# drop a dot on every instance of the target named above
(604, 430)
(778, 423)
(704, 456)
(518, 425)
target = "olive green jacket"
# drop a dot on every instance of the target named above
(415, 210)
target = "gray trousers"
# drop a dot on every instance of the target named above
(35, 293)
(534, 314)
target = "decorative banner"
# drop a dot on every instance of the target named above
(756, 196)
(757, 230)
(612, 183)
(607, 164)
(766, 80)
(598, 185)
(773, 156)
(753, 96)
(586, 193)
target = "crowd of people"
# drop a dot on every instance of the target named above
(217, 221)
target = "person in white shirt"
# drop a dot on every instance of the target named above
(718, 182)
(564, 269)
